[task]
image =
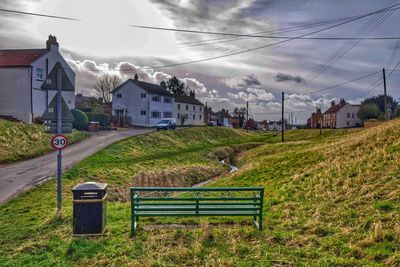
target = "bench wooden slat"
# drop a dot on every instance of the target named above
(191, 199)
(200, 203)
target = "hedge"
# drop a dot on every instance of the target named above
(80, 119)
(103, 118)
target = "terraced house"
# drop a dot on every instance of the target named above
(188, 110)
(28, 81)
(141, 103)
(341, 115)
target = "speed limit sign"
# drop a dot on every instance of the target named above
(59, 141)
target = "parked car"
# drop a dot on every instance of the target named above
(210, 123)
(166, 123)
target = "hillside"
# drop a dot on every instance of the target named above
(330, 200)
(20, 141)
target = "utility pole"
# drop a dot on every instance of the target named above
(59, 120)
(283, 114)
(384, 93)
(247, 116)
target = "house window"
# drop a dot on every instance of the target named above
(143, 112)
(143, 95)
(167, 99)
(187, 107)
(187, 116)
(352, 115)
(179, 115)
(156, 114)
(156, 98)
(179, 106)
(39, 74)
(194, 107)
(348, 115)
(194, 117)
(348, 123)
(200, 108)
(119, 95)
(199, 117)
(167, 115)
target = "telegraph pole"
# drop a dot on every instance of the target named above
(283, 114)
(384, 93)
(247, 116)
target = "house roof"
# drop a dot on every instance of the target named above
(188, 100)
(149, 87)
(20, 58)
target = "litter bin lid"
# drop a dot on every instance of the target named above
(90, 186)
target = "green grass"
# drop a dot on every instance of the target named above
(19, 141)
(330, 200)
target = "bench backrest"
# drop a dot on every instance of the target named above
(189, 201)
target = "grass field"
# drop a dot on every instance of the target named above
(19, 141)
(330, 200)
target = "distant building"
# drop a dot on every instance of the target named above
(341, 115)
(188, 109)
(262, 125)
(223, 117)
(141, 103)
(209, 115)
(28, 81)
(315, 121)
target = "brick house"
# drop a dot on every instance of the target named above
(341, 115)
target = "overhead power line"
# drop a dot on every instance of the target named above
(391, 8)
(37, 14)
(350, 19)
(228, 54)
(377, 19)
(366, 29)
(347, 82)
(376, 83)
(258, 47)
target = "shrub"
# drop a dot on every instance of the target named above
(80, 119)
(368, 111)
(103, 118)
(38, 120)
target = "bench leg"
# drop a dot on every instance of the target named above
(259, 223)
(134, 225)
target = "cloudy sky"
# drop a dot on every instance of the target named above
(103, 42)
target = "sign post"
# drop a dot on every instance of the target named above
(59, 114)
(58, 118)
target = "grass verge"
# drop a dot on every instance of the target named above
(19, 141)
(330, 200)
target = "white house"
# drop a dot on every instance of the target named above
(189, 108)
(144, 103)
(342, 115)
(27, 81)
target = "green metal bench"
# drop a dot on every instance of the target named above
(190, 201)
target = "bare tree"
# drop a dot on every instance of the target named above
(105, 84)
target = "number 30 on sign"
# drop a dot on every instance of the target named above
(59, 141)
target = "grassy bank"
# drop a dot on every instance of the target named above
(19, 141)
(330, 200)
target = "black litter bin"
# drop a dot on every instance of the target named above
(89, 208)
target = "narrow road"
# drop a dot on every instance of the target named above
(19, 177)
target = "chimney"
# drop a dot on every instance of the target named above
(192, 94)
(136, 77)
(52, 42)
(333, 103)
(342, 102)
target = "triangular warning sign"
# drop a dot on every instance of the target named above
(51, 113)
(50, 83)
